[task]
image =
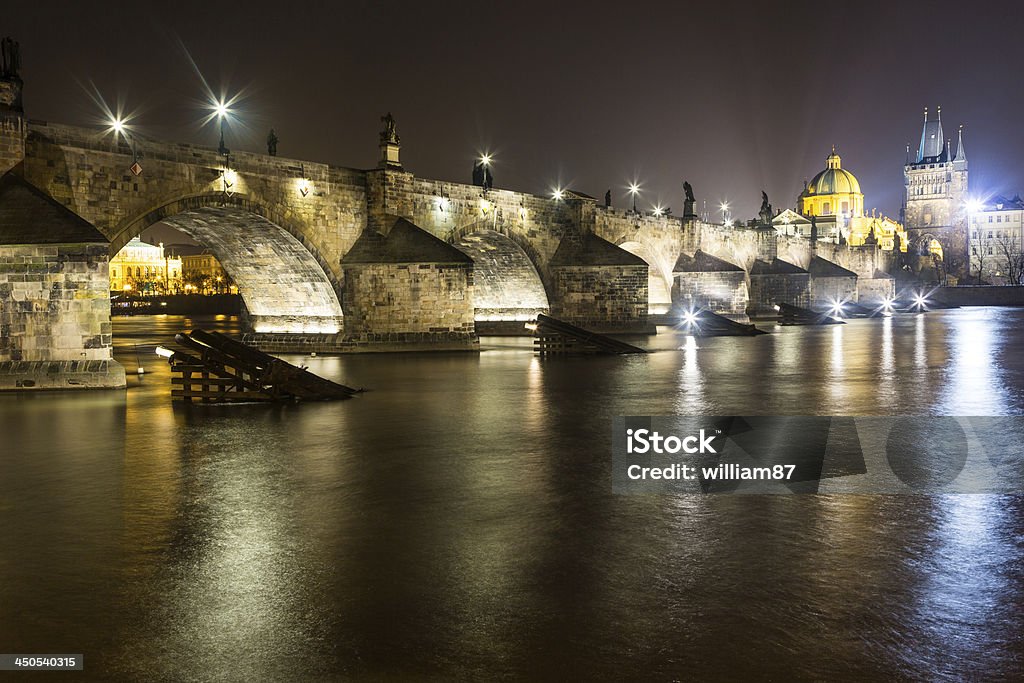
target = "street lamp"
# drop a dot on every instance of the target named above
(486, 178)
(724, 208)
(634, 190)
(558, 194)
(221, 111)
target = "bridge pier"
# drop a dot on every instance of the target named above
(703, 281)
(406, 290)
(55, 330)
(598, 286)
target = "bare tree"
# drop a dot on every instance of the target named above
(1010, 248)
(979, 260)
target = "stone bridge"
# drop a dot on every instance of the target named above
(339, 258)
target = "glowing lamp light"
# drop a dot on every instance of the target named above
(532, 327)
(837, 309)
(659, 211)
(164, 353)
(485, 159)
(485, 206)
(118, 125)
(974, 205)
(777, 307)
(690, 318)
(633, 188)
(220, 109)
(558, 194)
(305, 187)
(920, 300)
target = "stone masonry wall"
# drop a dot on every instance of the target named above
(601, 298)
(825, 291)
(874, 291)
(767, 290)
(724, 293)
(409, 303)
(54, 307)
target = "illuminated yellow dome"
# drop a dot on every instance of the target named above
(834, 179)
(833, 192)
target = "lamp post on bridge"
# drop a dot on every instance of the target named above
(634, 190)
(221, 110)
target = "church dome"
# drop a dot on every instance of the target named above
(834, 179)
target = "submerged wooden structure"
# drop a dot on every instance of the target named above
(795, 315)
(557, 337)
(707, 324)
(215, 368)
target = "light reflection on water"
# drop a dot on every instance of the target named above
(456, 520)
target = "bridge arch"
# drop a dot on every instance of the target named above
(282, 284)
(930, 245)
(507, 284)
(132, 228)
(659, 276)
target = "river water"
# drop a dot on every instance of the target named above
(457, 520)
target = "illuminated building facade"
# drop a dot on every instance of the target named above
(835, 202)
(145, 269)
(204, 274)
(997, 240)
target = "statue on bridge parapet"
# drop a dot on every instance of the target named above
(688, 204)
(766, 209)
(390, 132)
(608, 199)
(272, 143)
(10, 58)
(390, 144)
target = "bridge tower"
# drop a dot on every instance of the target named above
(935, 197)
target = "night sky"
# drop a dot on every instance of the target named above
(732, 98)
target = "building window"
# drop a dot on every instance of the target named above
(990, 219)
(990, 251)
(999, 218)
(846, 207)
(826, 209)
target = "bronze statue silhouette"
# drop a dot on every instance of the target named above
(689, 202)
(390, 133)
(766, 209)
(10, 58)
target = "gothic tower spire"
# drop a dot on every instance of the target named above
(933, 142)
(960, 154)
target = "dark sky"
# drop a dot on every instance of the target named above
(734, 99)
